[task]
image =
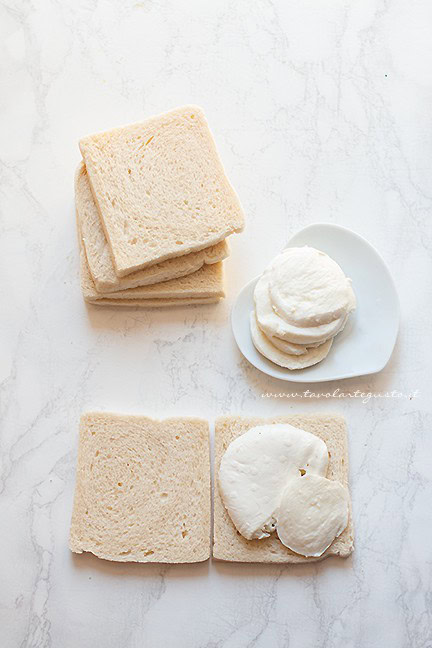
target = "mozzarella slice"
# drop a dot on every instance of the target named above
(272, 324)
(313, 512)
(308, 288)
(287, 347)
(311, 357)
(254, 471)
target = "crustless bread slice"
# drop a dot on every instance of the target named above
(153, 303)
(99, 256)
(142, 489)
(228, 543)
(206, 283)
(160, 189)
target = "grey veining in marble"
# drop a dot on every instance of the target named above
(322, 112)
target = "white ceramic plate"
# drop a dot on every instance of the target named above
(366, 343)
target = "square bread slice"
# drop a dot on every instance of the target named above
(228, 543)
(206, 283)
(99, 256)
(152, 303)
(142, 490)
(160, 189)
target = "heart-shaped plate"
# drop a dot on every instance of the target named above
(367, 341)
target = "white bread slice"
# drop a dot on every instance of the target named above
(99, 256)
(152, 303)
(142, 489)
(204, 284)
(160, 189)
(228, 543)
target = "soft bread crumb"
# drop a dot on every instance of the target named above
(160, 189)
(99, 256)
(205, 284)
(154, 303)
(228, 544)
(142, 489)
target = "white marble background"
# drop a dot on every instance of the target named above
(322, 112)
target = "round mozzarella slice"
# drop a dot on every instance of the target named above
(290, 347)
(287, 347)
(313, 512)
(307, 288)
(268, 350)
(255, 468)
(272, 324)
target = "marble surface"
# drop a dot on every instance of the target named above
(321, 112)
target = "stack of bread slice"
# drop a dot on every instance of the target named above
(154, 208)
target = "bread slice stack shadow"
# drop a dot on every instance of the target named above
(154, 208)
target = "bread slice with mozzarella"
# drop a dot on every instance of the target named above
(99, 256)
(228, 544)
(160, 189)
(142, 490)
